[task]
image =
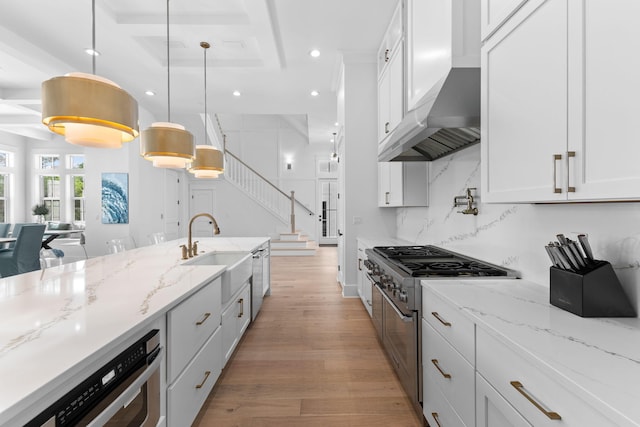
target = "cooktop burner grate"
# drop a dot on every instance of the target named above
(411, 252)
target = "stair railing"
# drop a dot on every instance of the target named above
(262, 190)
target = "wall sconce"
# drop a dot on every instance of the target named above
(288, 162)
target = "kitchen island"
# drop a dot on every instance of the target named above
(61, 323)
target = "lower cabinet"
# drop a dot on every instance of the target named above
(235, 320)
(364, 284)
(194, 362)
(187, 394)
(493, 410)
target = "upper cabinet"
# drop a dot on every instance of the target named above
(391, 76)
(495, 13)
(558, 103)
(403, 184)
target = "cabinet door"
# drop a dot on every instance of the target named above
(524, 105)
(495, 12)
(244, 311)
(492, 410)
(229, 331)
(383, 105)
(383, 184)
(603, 133)
(396, 94)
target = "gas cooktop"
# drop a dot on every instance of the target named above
(432, 261)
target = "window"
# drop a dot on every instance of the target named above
(4, 186)
(50, 191)
(49, 161)
(77, 181)
(76, 161)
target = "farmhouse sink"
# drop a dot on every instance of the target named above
(239, 269)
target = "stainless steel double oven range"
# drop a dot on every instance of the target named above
(395, 273)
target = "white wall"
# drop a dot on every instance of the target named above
(513, 235)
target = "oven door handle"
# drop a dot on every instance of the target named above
(405, 319)
(128, 394)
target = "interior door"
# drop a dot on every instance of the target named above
(202, 200)
(328, 211)
(172, 205)
(340, 215)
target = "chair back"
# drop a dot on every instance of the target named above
(156, 238)
(16, 231)
(4, 229)
(120, 245)
(26, 252)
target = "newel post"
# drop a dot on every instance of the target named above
(293, 215)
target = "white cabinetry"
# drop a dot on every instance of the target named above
(557, 123)
(194, 361)
(391, 77)
(235, 320)
(364, 285)
(403, 184)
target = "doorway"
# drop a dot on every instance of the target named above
(328, 211)
(202, 200)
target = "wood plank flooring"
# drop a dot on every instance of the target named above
(311, 359)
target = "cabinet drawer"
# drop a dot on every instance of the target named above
(188, 393)
(493, 410)
(522, 384)
(453, 375)
(454, 326)
(437, 410)
(190, 324)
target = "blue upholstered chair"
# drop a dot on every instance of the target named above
(14, 233)
(25, 256)
(4, 229)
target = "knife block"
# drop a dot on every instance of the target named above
(594, 291)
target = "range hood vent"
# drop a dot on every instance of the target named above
(445, 120)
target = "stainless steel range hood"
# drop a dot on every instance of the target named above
(445, 120)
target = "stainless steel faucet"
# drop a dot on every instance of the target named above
(467, 200)
(191, 251)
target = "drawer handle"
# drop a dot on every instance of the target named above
(204, 319)
(359, 264)
(206, 377)
(241, 302)
(551, 415)
(437, 316)
(435, 418)
(556, 157)
(444, 374)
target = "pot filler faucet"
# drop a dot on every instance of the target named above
(191, 249)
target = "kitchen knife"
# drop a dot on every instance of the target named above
(551, 256)
(584, 241)
(573, 247)
(561, 239)
(569, 255)
(564, 263)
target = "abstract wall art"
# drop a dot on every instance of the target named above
(115, 198)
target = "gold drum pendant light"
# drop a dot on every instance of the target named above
(166, 144)
(209, 162)
(89, 110)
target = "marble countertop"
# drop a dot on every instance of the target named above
(598, 357)
(57, 323)
(370, 242)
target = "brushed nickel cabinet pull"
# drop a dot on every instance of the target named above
(518, 386)
(386, 127)
(440, 319)
(556, 189)
(386, 55)
(435, 418)
(386, 198)
(360, 264)
(444, 374)
(241, 302)
(206, 377)
(204, 319)
(570, 155)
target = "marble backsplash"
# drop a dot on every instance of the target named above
(514, 235)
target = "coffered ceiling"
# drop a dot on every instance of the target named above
(258, 47)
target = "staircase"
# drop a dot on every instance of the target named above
(293, 244)
(275, 201)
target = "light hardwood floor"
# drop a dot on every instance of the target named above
(311, 359)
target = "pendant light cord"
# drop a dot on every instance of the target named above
(206, 118)
(168, 72)
(93, 37)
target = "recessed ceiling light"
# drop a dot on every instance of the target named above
(336, 124)
(236, 93)
(315, 93)
(149, 92)
(91, 52)
(314, 53)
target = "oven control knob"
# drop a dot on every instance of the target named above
(403, 296)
